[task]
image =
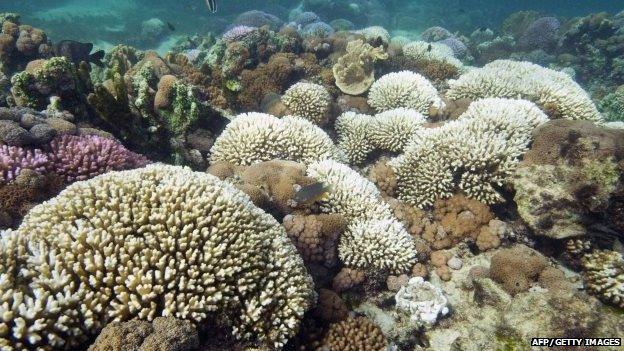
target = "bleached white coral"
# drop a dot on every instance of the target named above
(404, 89)
(156, 241)
(354, 139)
(423, 301)
(555, 92)
(391, 130)
(308, 100)
(475, 154)
(256, 137)
(603, 272)
(423, 51)
(374, 239)
(374, 33)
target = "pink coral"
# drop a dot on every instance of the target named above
(238, 32)
(14, 159)
(82, 157)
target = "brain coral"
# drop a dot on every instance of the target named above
(156, 241)
(475, 154)
(308, 100)
(255, 137)
(404, 89)
(374, 239)
(555, 92)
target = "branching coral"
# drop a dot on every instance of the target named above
(374, 239)
(404, 89)
(14, 159)
(308, 100)
(555, 92)
(392, 130)
(256, 137)
(157, 241)
(354, 136)
(420, 51)
(474, 154)
(604, 275)
(355, 334)
(354, 72)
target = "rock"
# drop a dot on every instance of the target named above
(487, 292)
(29, 120)
(163, 334)
(7, 114)
(62, 126)
(42, 134)
(455, 263)
(396, 282)
(93, 131)
(14, 135)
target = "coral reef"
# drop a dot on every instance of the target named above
(252, 276)
(404, 89)
(353, 334)
(257, 137)
(604, 276)
(308, 100)
(424, 302)
(354, 71)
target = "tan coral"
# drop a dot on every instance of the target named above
(603, 272)
(347, 278)
(354, 71)
(316, 236)
(355, 334)
(517, 268)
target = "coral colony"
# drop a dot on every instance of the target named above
(305, 179)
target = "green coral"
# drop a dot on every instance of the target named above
(612, 105)
(56, 76)
(184, 111)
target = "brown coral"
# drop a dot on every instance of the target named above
(384, 177)
(316, 236)
(330, 307)
(517, 268)
(162, 100)
(164, 333)
(355, 334)
(347, 278)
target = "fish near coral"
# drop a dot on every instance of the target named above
(212, 5)
(311, 193)
(77, 52)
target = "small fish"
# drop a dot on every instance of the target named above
(170, 26)
(311, 193)
(212, 5)
(429, 48)
(77, 52)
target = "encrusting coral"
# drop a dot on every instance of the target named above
(354, 71)
(555, 92)
(308, 100)
(156, 241)
(404, 89)
(603, 272)
(256, 137)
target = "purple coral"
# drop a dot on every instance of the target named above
(238, 32)
(83, 157)
(13, 159)
(459, 48)
(541, 34)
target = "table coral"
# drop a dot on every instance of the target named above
(113, 248)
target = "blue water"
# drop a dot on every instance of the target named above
(108, 22)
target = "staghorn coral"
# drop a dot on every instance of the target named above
(354, 334)
(603, 272)
(474, 154)
(391, 130)
(555, 92)
(354, 71)
(137, 257)
(164, 333)
(354, 136)
(14, 159)
(82, 157)
(404, 89)
(255, 137)
(308, 100)
(374, 239)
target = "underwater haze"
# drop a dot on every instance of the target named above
(311, 175)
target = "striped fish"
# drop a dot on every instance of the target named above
(212, 5)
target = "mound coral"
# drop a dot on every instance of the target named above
(603, 272)
(474, 154)
(308, 100)
(256, 137)
(555, 92)
(516, 268)
(404, 89)
(354, 71)
(355, 334)
(435, 33)
(157, 241)
(541, 34)
(374, 239)
(420, 51)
